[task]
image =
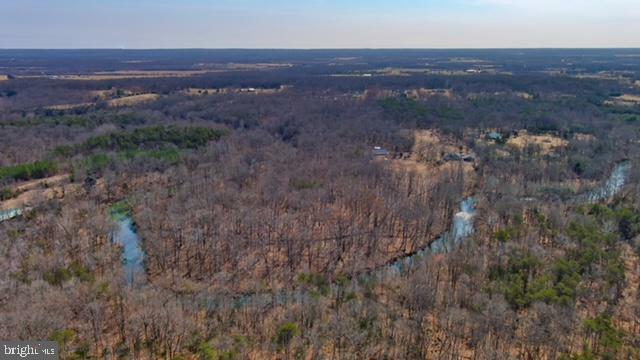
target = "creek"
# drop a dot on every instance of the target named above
(461, 228)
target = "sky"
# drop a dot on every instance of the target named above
(307, 24)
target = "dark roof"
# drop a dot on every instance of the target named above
(452, 157)
(459, 157)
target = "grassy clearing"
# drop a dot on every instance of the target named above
(247, 90)
(630, 98)
(64, 107)
(132, 100)
(142, 74)
(424, 93)
(624, 100)
(546, 143)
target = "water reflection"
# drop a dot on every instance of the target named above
(132, 254)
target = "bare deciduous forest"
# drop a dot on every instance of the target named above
(307, 205)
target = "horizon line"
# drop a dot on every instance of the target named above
(320, 48)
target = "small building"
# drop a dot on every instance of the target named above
(379, 152)
(495, 136)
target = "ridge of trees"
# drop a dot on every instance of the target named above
(36, 170)
(153, 137)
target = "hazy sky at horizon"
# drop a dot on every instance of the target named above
(318, 23)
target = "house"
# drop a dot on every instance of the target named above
(379, 152)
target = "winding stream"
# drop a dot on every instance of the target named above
(461, 228)
(9, 214)
(613, 185)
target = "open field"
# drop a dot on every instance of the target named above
(70, 106)
(36, 192)
(123, 75)
(128, 100)
(605, 75)
(200, 69)
(132, 100)
(624, 100)
(630, 98)
(546, 143)
(426, 158)
(214, 91)
(499, 94)
(424, 93)
(243, 67)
